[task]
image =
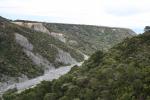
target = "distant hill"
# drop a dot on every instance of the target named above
(123, 73)
(2, 19)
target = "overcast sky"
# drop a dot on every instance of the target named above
(134, 14)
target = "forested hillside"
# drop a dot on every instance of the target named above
(123, 73)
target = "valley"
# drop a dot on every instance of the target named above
(32, 52)
(122, 73)
(49, 75)
(74, 50)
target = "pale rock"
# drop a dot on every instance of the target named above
(23, 41)
(73, 42)
(35, 26)
(59, 36)
(65, 57)
(38, 59)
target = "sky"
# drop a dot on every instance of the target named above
(134, 14)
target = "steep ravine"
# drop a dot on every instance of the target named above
(50, 71)
(49, 76)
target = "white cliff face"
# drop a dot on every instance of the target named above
(39, 60)
(36, 26)
(41, 28)
(23, 41)
(65, 57)
(28, 47)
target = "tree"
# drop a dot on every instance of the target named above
(50, 96)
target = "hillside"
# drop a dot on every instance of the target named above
(29, 49)
(25, 53)
(123, 73)
(86, 38)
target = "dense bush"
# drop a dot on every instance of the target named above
(123, 73)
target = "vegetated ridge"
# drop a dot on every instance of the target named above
(123, 73)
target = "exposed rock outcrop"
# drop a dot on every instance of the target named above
(28, 47)
(38, 59)
(65, 57)
(59, 36)
(41, 28)
(23, 41)
(36, 26)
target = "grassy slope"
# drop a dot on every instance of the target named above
(123, 73)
